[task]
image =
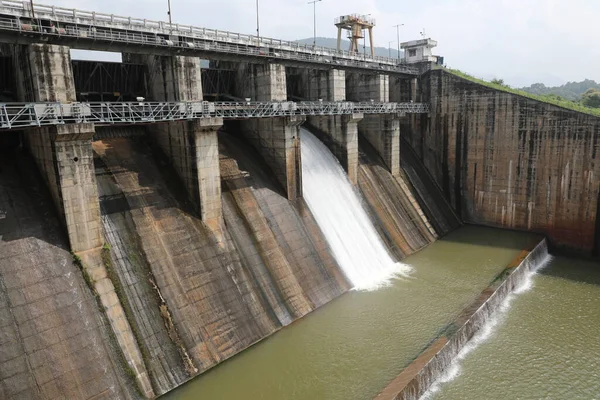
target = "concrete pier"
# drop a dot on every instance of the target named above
(261, 82)
(170, 78)
(191, 146)
(339, 133)
(276, 139)
(64, 157)
(382, 131)
(63, 153)
(44, 73)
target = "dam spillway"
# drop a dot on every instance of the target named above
(339, 212)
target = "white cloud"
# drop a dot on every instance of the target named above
(511, 39)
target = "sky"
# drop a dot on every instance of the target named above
(520, 41)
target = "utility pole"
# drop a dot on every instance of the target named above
(314, 3)
(390, 48)
(257, 23)
(398, 33)
(32, 12)
(169, 13)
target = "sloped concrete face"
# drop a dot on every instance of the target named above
(55, 342)
(509, 161)
(272, 266)
(64, 155)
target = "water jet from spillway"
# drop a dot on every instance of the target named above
(346, 225)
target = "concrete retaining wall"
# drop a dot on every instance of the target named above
(509, 161)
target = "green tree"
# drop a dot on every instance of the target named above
(498, 82)
(591, 98)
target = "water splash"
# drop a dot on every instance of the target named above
(340, 215)
(488, 329)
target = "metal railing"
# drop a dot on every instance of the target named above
(87, 25)
(26, 115)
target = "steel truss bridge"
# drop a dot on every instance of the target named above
(96, 31)
(28, 115)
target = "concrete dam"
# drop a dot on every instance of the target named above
(290, 222)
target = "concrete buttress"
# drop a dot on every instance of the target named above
(64, 156)
(44, 73)
(338, 132)
(382, 131)
(191, 146)
(276, 139)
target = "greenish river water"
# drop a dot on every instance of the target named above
(354, 346)
(544, 345)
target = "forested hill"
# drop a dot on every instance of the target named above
(570, 91)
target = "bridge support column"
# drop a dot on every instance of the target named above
(276, 139)
(381, 131)
(327, 85)
(191, 146)
(193, 149)
(171, 78)
(261, 82)
(64, 156)
(63, 153)
(44, 73)
(338, 132)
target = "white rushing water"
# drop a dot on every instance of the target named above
(488, 329)
(340, 215)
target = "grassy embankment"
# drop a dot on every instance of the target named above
(568, 104)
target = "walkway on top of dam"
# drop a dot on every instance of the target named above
(25, 115)
(97, 31)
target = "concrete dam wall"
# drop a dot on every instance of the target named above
(191, 294)
(510, 161)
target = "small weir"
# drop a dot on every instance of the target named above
(523, 282)
(542, 344)
(342, 218)
(439, 361)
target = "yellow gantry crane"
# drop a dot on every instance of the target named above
(356, 25)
